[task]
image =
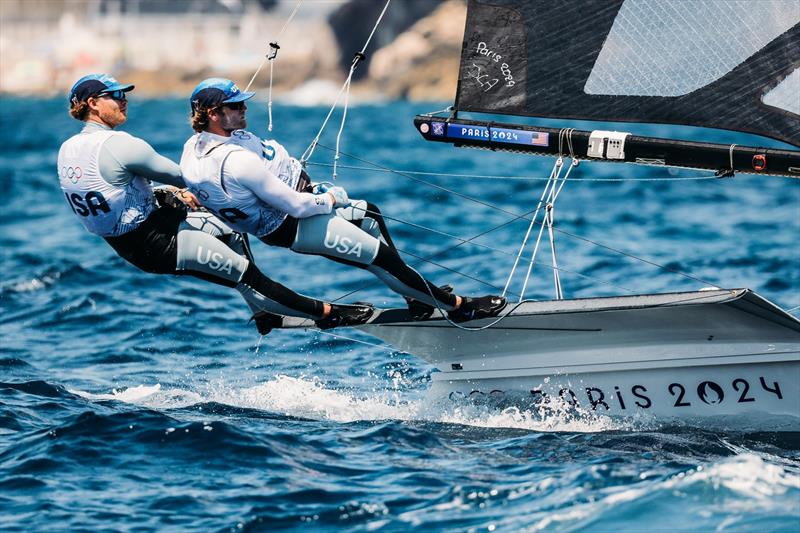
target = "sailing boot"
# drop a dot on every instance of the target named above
(422, 311)
(265, 322)
(346, 315)
(479, 307)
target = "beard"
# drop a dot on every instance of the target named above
(231, 123)
(114, 117)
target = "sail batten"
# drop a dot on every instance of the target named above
(656, 61)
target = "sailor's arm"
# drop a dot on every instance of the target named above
(124, 156)
(248, 170)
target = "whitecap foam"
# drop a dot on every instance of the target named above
(308, 397)
(150, 396)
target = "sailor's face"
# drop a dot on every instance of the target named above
(232, 116)
(111, 110)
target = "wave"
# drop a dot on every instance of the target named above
(744, 482)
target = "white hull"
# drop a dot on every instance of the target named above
(726, 355)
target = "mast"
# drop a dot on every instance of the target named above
(611, 146)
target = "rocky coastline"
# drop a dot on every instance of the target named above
(413, 55)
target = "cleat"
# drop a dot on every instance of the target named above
(346, 315)
(420, 310)
(480, 307)
(265, 322)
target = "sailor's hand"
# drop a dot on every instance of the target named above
(339, 196)
(188, 199)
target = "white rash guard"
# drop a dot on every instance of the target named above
(247, 182)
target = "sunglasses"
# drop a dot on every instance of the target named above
(235, 106)
(114, 95)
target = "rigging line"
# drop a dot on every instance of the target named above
(495, 177)
(439, 187)
(470, 240)
(374, 344)
(553, 174)
(548, 210)
(427, 259)
(441, 252)
(360, 55)
(631, 256)
(374, 282)
(280, 33)
(517, 216)
(524, 216)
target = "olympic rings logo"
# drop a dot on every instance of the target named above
(73, 174)
(242, 135)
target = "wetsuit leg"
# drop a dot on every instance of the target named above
(368, 217)
(336, 238)
(167, 243)
(202, 253)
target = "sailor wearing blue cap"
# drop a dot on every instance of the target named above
(105, 176)
(258, 188)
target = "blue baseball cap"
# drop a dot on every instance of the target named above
(213, 92)
(95, 85)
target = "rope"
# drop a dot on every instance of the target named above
(373, 344)
(270, 56)
(729, 172)
(359, 56)
(465, 241)
(631, 256)
(428, 259)
(551, 198)
(495, 177)
(514, 215)
(556, 169)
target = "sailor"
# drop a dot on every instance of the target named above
(258, 188)
(105, 176)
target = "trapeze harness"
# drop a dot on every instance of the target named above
(256, 187)
(105, 175)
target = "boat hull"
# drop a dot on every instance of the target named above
(727, 357)
(745, 396)
(724, 357)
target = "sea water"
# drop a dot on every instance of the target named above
(131, 401)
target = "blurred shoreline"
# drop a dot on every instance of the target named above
(166, 48)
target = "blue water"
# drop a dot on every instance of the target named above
(131, 401)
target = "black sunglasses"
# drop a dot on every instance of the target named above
(235, 106)
(114, 95)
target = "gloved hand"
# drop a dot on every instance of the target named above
(339, 196)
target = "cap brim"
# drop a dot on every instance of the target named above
(241, 97)
(118, 87)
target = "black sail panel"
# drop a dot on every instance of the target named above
(627, 61)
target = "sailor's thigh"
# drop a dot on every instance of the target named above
(208, 223)
(335, 236)
(353, 212)
(199, 251)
